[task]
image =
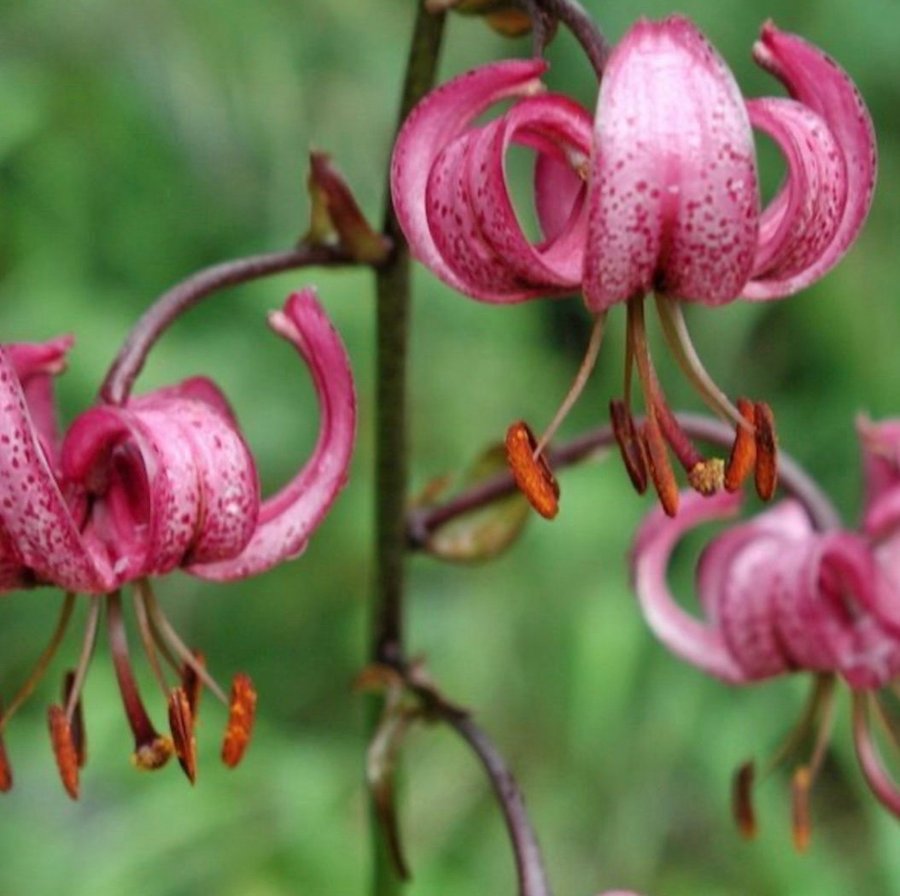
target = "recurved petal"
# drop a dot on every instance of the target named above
(456, 231)
(557, 128)
(36, 519)
(819, 83)
(800, 223)
(673, 198)
(699, 643)
(434, 123)
(880, 447)
(36, 363)
(164, 481)
(288, 518)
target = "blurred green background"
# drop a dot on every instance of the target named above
(142, 140)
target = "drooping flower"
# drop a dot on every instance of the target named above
(779, 597)
(658, 195)
(164, 482)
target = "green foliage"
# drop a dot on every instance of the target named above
(140, 141)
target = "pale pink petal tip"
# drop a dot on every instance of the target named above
(288, 518)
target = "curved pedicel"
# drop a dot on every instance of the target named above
(287, 519)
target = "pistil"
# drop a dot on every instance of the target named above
(151, 749)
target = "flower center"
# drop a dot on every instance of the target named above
(162, 647)
(645, 447)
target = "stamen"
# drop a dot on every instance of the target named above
(148, 641)
(191, 683)
(584, 371)
(819, 704)
(531, 471)
(742, 800)
(742, 459)
(75, 719)
(73, 686)
(166, 631)
(678, 339)
(631, 447)
(151, 749)
(181, 724)
(801, 782)
(876, 775)
(660, 469)
(657, 456)
(64, 749)
(818, 712)
(766, 451)
(241, 713)
(43, 661)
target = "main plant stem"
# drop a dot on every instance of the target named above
(393, 311)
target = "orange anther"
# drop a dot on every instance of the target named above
(532, 474)
(743, 452)
(766, 451)
(660, 469)
(181, 724)
(800, 822)
(742, 800)
(630, 445)
(241, 713)
(64, 749)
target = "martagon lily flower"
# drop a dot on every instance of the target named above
(657, 193)
(779, 597)
(132, 492)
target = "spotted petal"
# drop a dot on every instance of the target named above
(39, 531)
(698, 643)
(288, 518)
(673, 198)
(439, 119)
(164, 481)
(830, 150)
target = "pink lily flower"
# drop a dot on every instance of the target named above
(779, 597)
(165, 481)
(659, 195)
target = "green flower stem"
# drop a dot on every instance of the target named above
(394, 298)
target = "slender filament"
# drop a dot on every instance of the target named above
(143, 620)
(43, 661)
(84, 659)
(584, 371)
(679, 341)
(178, 647)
